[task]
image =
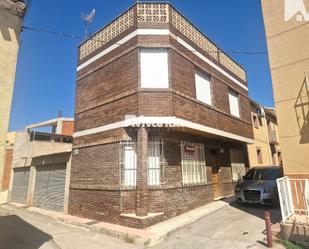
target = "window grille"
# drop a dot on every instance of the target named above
(193, 163)
(128, 163)
(155, 156)
(237, 164)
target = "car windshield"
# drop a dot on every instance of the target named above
(263, 174)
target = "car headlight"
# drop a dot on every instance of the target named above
(269, 190)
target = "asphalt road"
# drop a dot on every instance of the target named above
(21, 229)
(232, 227)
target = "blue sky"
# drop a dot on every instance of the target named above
(46, 70)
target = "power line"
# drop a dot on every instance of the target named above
(73, 36)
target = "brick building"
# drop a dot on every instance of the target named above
(162, 120)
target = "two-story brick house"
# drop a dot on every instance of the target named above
(162, 119)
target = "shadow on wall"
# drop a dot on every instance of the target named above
(9, 25)
(16, 233)
(301, 107)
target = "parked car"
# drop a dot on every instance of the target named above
(259, 186)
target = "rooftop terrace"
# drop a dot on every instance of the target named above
(159, 13)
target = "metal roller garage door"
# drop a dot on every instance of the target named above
(49, 187)
(20, 185)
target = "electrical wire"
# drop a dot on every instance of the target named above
(73, 36)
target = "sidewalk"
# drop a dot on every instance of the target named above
(149, 236)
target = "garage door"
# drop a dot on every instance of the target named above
(49, 187)
(20, 185)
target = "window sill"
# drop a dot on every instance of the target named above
(196, 184)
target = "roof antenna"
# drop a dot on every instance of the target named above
(60, 111)
(87, 21)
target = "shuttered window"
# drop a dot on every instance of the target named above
(155, 153)
(237, 164)
(193, 163)
(129, 163)
(202, 86)
(154, 68)
(234, 104)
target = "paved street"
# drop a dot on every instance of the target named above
(235, 226)
(22, 229)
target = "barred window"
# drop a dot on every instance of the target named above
(237, 164)
(193, 163)
(128, 163)
(155, 156)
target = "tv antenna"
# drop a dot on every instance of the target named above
(87, 21)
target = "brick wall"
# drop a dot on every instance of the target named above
(96, 165)
(95, 191)
(67, 128)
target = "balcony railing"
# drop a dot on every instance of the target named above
(159, 13)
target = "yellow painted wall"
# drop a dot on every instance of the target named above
(261, 140)
(288, 48)
(9, 30)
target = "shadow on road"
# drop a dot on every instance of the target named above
(257, 209)
(15, 233)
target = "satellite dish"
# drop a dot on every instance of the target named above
(88, 18)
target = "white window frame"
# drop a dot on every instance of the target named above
(203, 87)
(193, 168)
(155, 156)
(154, 68)
(128, 163)
(237, 164)
(234, 103)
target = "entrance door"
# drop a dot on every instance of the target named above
(216, 179)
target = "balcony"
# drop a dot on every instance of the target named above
(273, 137)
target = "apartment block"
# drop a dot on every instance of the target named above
(162, 120)
(266, 149)
(287, 33)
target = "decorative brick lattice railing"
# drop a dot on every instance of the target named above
(160, 13)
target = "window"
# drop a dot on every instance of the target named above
(264, 174)
(259, 155)
(193, 163)
(237, 164)
(155, 152)
(154, 68)
(129, 163)
(255, 121)
(234, 105)
(202, 86)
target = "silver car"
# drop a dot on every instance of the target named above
(259, 186)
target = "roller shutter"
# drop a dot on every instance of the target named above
(20, 185)
(49, 187)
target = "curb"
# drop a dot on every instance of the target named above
(150, 236)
